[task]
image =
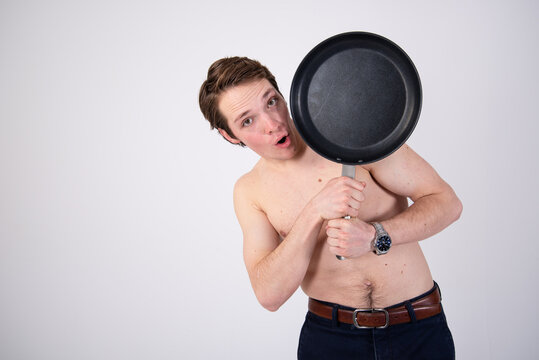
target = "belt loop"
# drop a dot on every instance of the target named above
(439, 291)
(411, 311)
(335, 316)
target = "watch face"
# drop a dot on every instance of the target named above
(383, 243)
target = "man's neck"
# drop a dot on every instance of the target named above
(304, 158)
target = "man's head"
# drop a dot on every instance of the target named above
(222, 75)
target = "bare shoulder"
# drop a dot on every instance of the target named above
(246, 188)
(406, 173)
(403, 157)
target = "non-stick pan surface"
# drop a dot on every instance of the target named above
(355, 98)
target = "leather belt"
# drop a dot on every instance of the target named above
(423, 307)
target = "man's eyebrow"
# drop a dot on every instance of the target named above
(245, 113)
(267, 93)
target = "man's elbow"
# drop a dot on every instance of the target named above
(269, 303)
(271, 307)
(456, 208)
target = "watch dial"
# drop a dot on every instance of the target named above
(384, 243)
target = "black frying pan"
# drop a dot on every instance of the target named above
(355, 98)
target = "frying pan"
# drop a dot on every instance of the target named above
(355, 99)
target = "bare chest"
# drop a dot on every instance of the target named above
(362, 281)
(284, 200)
(284, 197)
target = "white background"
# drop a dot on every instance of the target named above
(118, 238)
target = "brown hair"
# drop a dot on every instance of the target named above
(223, 74)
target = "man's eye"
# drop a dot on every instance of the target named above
(247, 122)
(272, 101)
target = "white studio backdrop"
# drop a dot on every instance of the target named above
(118, 238)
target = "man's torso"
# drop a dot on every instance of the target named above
(365, 282)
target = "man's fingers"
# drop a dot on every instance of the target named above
(335, 246)
(337, 223)
(333, 242)
(359, 185)
(358, 195)
(336, 251)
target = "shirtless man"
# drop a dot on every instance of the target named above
(291, 206)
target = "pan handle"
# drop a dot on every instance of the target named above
(350, 171)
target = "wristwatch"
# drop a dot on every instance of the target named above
(382, 241)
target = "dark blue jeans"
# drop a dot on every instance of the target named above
(424, 339)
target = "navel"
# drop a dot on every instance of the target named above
(369, 288)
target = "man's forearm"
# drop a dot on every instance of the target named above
(427, 216)
(279, 274)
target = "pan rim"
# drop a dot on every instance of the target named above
(323, 51)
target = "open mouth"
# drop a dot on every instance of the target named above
(283, 139)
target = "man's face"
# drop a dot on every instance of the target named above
(258, 116)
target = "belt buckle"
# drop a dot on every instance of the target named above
(371, 311)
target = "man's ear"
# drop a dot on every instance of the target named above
(228, 137)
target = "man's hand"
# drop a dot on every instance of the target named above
(340, 197)
(350, 238)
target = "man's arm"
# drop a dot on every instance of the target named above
(435, 204)
(277, 268)
(404, 173)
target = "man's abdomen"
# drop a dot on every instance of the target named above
(370, 281)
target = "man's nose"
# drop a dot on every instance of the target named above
(271, 125)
